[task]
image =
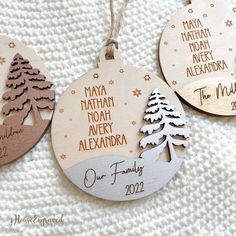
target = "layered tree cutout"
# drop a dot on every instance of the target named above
(29, 92)
(165, 128)
(102, 157)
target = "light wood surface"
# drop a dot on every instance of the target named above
(97, 122)
(199, 44)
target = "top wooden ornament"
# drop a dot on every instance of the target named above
(197, 55)
(119, 132)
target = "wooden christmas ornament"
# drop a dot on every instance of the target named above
(197, 55)
(119, 132)
(27, 99)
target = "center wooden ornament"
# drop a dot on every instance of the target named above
(119, 132)
(197, 55)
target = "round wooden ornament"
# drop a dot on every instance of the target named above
(118, 132)
(197, 55)
(27, 99)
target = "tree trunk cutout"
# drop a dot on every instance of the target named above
(166, 128)
(29, 92)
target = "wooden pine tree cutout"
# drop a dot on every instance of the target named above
(29, 92)
(165, 128)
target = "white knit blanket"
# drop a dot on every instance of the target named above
(68, 35)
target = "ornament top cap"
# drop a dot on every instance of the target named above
(103, 59)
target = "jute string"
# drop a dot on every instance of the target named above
(116, 22)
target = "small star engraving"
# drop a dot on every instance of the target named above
(133, 122)
(121, 70)
(174, 82)
(2, 60)
(147, 77)
(111, 82)
(190, 10)
(137, 92)
(229, 23)
(63, 156)
(11, 45)
(95, 76)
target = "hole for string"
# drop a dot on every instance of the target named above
(109, 53)
(110, 49)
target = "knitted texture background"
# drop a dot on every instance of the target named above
(68, 35)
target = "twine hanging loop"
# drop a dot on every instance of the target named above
(116, 22)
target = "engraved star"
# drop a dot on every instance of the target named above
(11, 45)
(63, 156)
(147, 77)
(229, 23)
(2, 60)
(95, 76)
(174, 82)
(111, 82)
(133, 122)
(137, 92)
(190, 10)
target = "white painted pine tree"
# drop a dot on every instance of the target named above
(166, 128)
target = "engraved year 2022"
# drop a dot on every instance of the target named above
(134, 188)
